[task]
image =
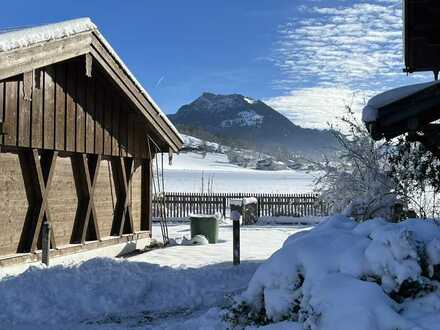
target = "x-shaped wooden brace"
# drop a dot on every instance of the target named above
(85, 172)
(37, 174)
(122, 169)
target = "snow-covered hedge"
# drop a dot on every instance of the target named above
(344, 275)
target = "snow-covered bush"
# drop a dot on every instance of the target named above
(417, 171)
(344, 275)
(358, 182)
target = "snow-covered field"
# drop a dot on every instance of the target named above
(180, 287)
(187, 170)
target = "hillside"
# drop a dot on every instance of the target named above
(236, 119)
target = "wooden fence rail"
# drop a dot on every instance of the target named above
(180, 205)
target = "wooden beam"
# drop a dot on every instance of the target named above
(122, 169)
(37, 174)
(85, 171)
(27, 59)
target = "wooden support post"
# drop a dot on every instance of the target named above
(122, 169)
(85, 172)
(146, 196)
(37, 174)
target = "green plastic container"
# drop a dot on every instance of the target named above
(206, 225)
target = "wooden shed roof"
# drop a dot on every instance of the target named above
(401, 110)
(31, 48)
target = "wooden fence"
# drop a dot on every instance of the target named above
(181, 205)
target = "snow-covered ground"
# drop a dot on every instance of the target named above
(180, 287)
(187, 170)
(339, 275)
(343, 275)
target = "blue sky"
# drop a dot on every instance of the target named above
(307, 58)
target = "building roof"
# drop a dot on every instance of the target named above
(404, 109)
(18, 46)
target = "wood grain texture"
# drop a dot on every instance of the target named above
(90, 116)
(49, 108)
(81, 106)
(99, 118)
(71, 106)
(37, 110)
(24, 112)
(60, 107)
(11, 112)
(108, 117)
(115, 126)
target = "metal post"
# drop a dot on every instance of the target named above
(236, 241)
(236, 210)
(224, 207)
(45, 241)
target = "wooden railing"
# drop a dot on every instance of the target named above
(181, 205)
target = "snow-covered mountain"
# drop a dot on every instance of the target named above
(251, 123)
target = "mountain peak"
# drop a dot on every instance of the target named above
(220, 102)
(249, 122)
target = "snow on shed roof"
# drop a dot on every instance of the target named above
(370, 112)
(27, 37)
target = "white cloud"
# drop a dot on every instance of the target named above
(333, 52)
(317, 106)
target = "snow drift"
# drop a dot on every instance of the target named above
(110, 291)
(344, 275)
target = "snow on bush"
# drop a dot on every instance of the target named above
(358, 183)
(343, 275)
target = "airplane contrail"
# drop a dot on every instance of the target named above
(160, 81)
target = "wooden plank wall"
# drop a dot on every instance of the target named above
(62, 202)
(71, 112)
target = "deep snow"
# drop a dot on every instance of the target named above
(344, 275)
(340, 275)
(172, 288)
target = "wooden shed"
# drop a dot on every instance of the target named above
(78, 135)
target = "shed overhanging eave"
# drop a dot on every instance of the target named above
(402, 110)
